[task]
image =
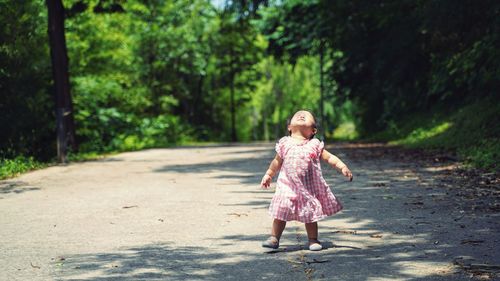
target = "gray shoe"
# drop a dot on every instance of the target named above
(315, 245)
(271, 242)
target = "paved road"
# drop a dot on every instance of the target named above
(199, 214)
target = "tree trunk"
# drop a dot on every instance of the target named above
(234, 137)
(59, 56)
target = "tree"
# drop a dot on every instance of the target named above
(294, 30)
(59, 55)
(393, 57)
(237, 51)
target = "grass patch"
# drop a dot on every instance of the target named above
(89, 156)
(472, 131)
(420, 135)
(14, 167)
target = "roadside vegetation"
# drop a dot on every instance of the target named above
(145, 74)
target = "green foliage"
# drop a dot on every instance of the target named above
(237, 50)
(423, 134)
(125, 95)
(397, 57)
(13, 167)
(156, 73)
(472, 131)
(283, 89)
(345, 132)
(26, 117)
(483, 154)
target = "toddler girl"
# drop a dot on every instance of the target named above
(301, 192)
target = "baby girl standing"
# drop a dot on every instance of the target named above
(301, 194)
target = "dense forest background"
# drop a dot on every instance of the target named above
(152, 73)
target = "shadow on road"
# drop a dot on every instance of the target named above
(165, 262)
(245, 171)
(402, 221)
(17, 187)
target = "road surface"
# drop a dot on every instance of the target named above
(198, 213)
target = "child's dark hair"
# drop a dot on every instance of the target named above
(289, 119)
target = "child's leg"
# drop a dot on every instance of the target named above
(276, 231)
(312, 231)
(278, 227)
(312, 234)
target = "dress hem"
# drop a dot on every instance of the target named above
(304, 221)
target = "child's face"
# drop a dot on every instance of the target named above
(303, 120)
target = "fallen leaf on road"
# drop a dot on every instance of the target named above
(317, 261)
(238, 215)
(474, 242)
(128, 207)
(290, 260)
(478, 269)
(415, 203)
(346, 231)
(485, 267)
(376, 236)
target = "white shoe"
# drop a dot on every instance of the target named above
(315, 246)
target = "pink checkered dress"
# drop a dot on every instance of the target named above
(301, 192)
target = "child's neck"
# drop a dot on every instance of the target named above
(301, 133)
(299, 137)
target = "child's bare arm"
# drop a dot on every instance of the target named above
(274, 167)
(336, 163)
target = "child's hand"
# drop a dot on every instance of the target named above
(347, 173)
(266, 181)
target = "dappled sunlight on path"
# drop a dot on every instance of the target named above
(199, 214)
